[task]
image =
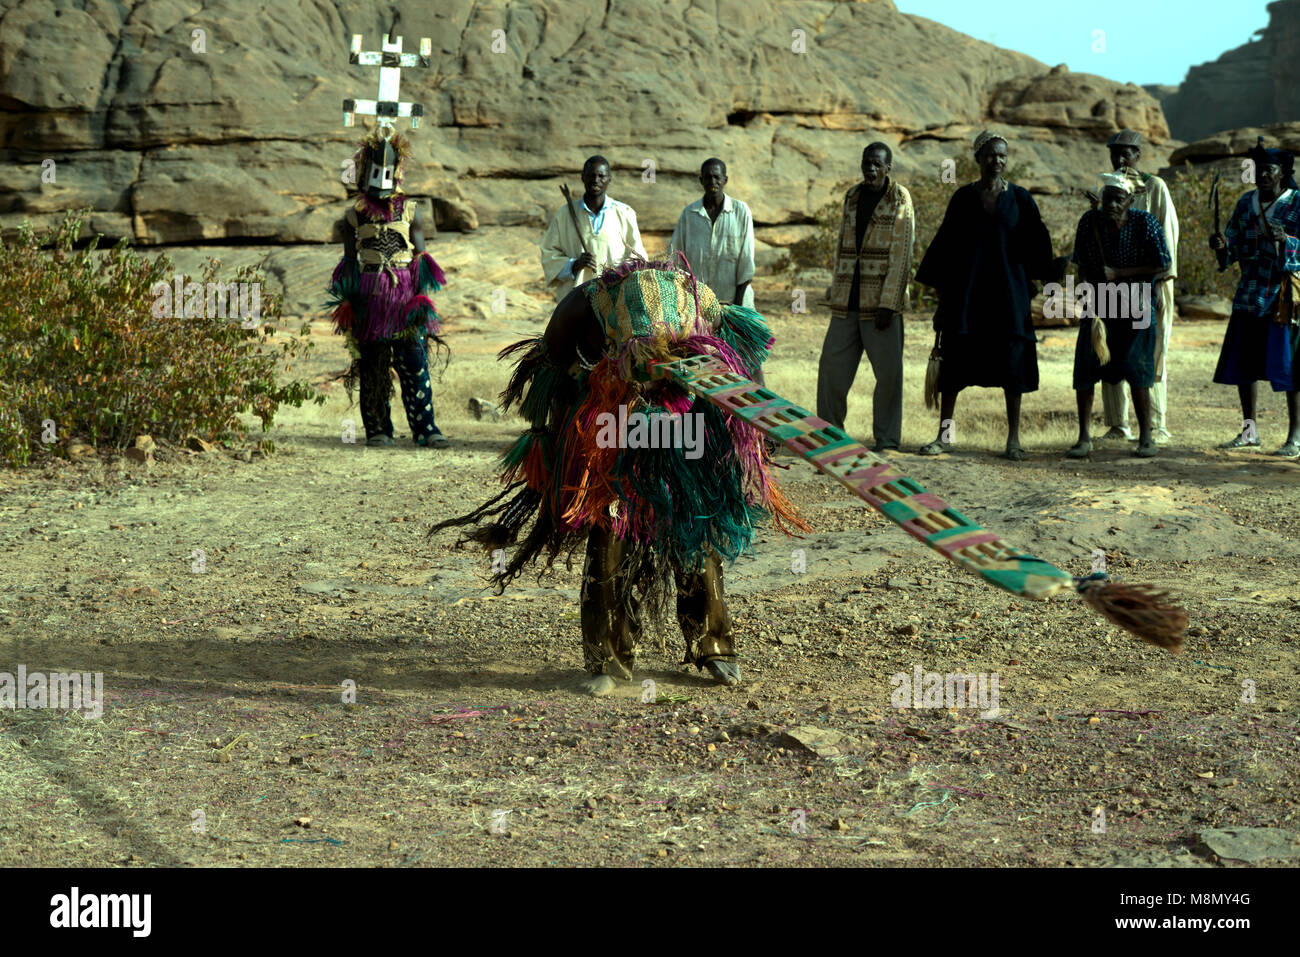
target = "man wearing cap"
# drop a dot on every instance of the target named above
(1119, 251)
(1263, 335)
(1150, 195)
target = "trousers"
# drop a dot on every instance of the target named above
(411, 359)
(612, 622)
(846, 340)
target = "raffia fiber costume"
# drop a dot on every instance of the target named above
(381, 298)
(643, 512)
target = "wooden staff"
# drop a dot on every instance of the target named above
(573, 213)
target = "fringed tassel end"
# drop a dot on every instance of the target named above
(932, 380)
(422, 313)
(1141, 610)
(1099, 344)
(345, 295)
(429, 276)
(748, 335)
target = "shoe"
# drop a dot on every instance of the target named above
(1015, 453)
(1081, 450)
(377, 440)
(1146, 450)
(934, 448)
(435, 441)
(1239, 443)
(882, 449)
(1116, 434)
(1289, 451)
(1162, 436)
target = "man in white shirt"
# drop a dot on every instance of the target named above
(716, 233)
(594, 233)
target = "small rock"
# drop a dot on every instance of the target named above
(906, 630)
(140, 456)
(483, 409)
(1250, 843)
(822, 742)
(196, 444)
(145, 443)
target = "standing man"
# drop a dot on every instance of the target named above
(716, 233)
(1118, 244)
(591, 235)
(867, 295)
(1150, 195)
(1262, 340)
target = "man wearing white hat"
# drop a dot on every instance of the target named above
(1151, 195)
(1120, 251)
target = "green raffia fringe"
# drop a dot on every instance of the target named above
(747, 333)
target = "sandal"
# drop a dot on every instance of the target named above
(1289, 451)
(1081, 450)
(934, 448)
(380, 440)
(1146, 450)
(1239, 443)
(436, 441)
(1015, 453)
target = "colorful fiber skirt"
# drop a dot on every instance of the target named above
(610, 448)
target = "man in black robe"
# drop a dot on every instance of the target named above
(991, 244)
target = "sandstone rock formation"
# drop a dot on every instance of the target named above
(1251, 85)
(234, 135)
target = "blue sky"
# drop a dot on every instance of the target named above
(1146, 41)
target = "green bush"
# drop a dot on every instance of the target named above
(79, 345)
(1198, 270)
(930, 196)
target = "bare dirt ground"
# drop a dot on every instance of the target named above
(223, 689)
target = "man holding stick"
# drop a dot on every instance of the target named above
(590, 234)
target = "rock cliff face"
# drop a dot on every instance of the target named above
(1252, 85)
(234, 133)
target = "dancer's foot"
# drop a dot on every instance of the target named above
(723, 671)
(1081, 450)
(375, 441)
(597, 685)
(1240, 443)
(1289, 451)
(1014, 452)
(936, 447)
